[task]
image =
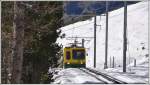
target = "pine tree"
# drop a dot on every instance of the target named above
(45, 19)
(36, 30)
(6, 38)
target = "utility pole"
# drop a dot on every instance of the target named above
(113, 62)
(125, 37)
(134, 62)
(110, 61)
(106, 39)
(83, 42)
(95, 41)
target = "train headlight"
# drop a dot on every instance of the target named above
(68, 63)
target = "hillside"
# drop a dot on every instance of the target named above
(137, 33)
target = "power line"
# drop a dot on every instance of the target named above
(79, 37)
(73, 31)
(82, 25)
(78, 26)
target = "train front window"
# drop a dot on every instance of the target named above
(78, 54)
(68, 55)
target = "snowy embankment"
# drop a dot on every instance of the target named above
(73, 75)
(137, 34)
(76, 76)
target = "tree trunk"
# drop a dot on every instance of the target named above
(18, 36)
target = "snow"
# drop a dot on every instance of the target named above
(137, 34)
(135, 75)
(141, 61)
(76, 76)
(73, 75)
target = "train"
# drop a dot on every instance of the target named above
(74, 57)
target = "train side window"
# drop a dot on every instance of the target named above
(68, 55)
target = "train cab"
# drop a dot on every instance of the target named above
(74, 57)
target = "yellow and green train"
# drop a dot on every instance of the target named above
(74, 57)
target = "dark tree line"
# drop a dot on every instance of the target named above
(29, 33)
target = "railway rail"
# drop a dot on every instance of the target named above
(106, 79)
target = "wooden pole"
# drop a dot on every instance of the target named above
(125, 37)
(113, 65)
(106, 39)
(110, 61)
(83, 42)
(95, 41)
(134, 62)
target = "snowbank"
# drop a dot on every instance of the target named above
(137, 34)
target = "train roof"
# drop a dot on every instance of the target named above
(74, 47)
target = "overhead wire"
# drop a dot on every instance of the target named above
(73, 31)
(73, 28)
(78, 26)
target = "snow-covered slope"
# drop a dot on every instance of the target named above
(137, 34)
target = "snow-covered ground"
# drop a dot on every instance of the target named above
(138, 74)
(137, 34)
(73, 75)
(76, 76)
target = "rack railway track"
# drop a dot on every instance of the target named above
(104, 78)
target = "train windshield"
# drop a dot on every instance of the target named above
(78, 54)
(67, 55)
